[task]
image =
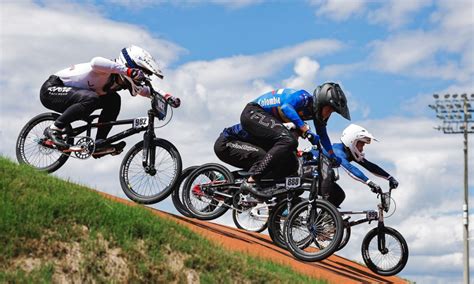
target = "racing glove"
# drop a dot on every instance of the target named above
(137, 75)
(374, 187)
(335, 160)
(392, 182)
(173, 101)
(311, 136)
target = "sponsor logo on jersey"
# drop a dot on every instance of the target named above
(59, 90)
(269, 101)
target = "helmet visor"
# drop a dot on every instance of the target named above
(340, 103)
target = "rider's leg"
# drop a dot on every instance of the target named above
(332, 192)
(265, 127)
(74, 104)
(110, 105)
(237, 153)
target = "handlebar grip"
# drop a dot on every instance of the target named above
(172, 101)
(314, 139)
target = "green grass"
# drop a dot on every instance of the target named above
(56, 222)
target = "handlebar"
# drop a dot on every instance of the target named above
(174, 102)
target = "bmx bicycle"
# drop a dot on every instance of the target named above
(212, 189)
(148, 171)
(384, 249)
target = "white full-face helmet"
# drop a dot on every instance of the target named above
(353, 134)
(136, 57)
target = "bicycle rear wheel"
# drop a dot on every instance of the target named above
(200, 192)
(30, 147)
(392, 259)
(313, 231)
(150, 187)
(346, 235)
(251, 218)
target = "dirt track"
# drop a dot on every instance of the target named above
(334, 269)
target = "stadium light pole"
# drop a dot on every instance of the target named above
(456, 113)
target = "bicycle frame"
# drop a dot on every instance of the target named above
(139, 124)
(372, 215)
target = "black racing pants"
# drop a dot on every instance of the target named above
(237, 153)
(332, 192)
(76, 103)
(243, 155)
(281, 144)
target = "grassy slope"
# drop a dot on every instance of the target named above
(66, 230)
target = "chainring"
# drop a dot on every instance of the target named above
(86, 146)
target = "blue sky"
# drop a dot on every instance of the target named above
(389, 56)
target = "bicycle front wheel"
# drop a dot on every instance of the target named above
(31, 148)
(276, 222)
(177, 192)
(313, 231)
(387, 259)
(148, 187)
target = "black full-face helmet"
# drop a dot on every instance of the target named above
(329, 94)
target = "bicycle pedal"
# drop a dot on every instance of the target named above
(115, 153)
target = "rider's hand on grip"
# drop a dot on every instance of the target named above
(173, 101)
(393, 183)
(311, 136)
(374, 187)
(137, 75)
(335, 160)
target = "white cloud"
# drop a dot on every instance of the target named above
(305, 69)
(338, 10)
(396, 13)
(445, 51)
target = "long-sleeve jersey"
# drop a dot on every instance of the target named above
(353, 171)
(290, 105)
(96, 75)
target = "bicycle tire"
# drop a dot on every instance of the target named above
(346, 235)
(239, 224)
(368, 256)
(177, 192)
(130, 184)
(327, 215)
(32, 131)
(276, 221)
(205, 174)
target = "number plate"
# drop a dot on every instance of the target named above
(140, 122)
(293, 182)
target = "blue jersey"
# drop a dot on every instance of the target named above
(290, 105)
(346, 157)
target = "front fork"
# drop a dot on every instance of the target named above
(149, 149)
(381, 234)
